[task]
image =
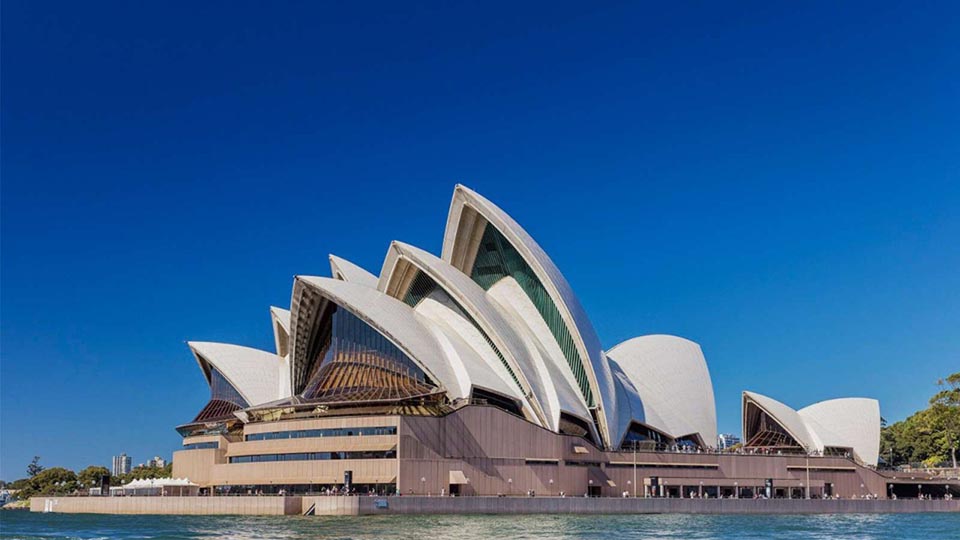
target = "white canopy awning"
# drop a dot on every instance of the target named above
(145, 483)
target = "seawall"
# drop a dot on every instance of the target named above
(248, 506)
(363, 506)
(582, 505)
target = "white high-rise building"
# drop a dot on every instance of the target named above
(121, 464)
(157, 461)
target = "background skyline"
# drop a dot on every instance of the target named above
(779, 185)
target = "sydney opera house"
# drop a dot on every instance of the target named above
(478, 372)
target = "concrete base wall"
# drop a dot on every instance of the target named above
(579, 505)
(361, 506)
(249, 506)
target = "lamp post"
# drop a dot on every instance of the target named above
(736, 490)
(590, 483)
(510, 486)
(423, 485)
(808, 475)
(629, 483)
(551, 486)
(700, 493)
(919, 491)
(635, 469)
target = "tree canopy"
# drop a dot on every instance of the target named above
(930, 437)
(34, 468)
(90, 477)
(53, 481)
(61, 481)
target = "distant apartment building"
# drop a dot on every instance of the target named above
(121, 464)
(157, 461)
(726, 440)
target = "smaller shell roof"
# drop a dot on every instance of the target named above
(282, 316)
(347, 271)
(252, 372)
(671, 378)
(847, 423)
(786, 416)
(394, 320)
(843, 423)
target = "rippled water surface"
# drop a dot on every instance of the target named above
(26, 525)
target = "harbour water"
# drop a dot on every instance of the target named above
(37, 526)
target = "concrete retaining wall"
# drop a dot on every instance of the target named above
(250, 506)
(575, 505)
(360, 506)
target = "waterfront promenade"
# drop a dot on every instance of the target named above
(361, 506)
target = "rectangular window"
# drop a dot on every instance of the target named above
(315, 456)
(201, 445)
(329, 432)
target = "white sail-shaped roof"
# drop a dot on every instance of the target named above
(390, 317)
(464, 348)
(280, 320)
(852, 423)
(515, 304)
(347, 271)
(671, 378)
(518, 352)
(630, 407)
(846, 423)
(469, 214)
(784, 415)
(253, 373)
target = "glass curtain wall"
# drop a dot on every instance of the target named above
(355, 363)
(224, 399)
(497, 259)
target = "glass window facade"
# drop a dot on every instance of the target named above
(221, 389)
(329, 432)
(315, 456)
(224, 399)
(763, 431)
(420, 288)
(201, 445)
(481, 396)
(353, 362)
(641, 436)
(497, 259)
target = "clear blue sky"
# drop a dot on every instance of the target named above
(778, 183)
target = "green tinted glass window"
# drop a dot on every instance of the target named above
(497, 259)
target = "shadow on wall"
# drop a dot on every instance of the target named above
(431, 435)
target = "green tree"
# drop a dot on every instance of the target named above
(34, 468)
(20, 485)
(90, 477)
(944, 422)
(53, 481)
(930, 436)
